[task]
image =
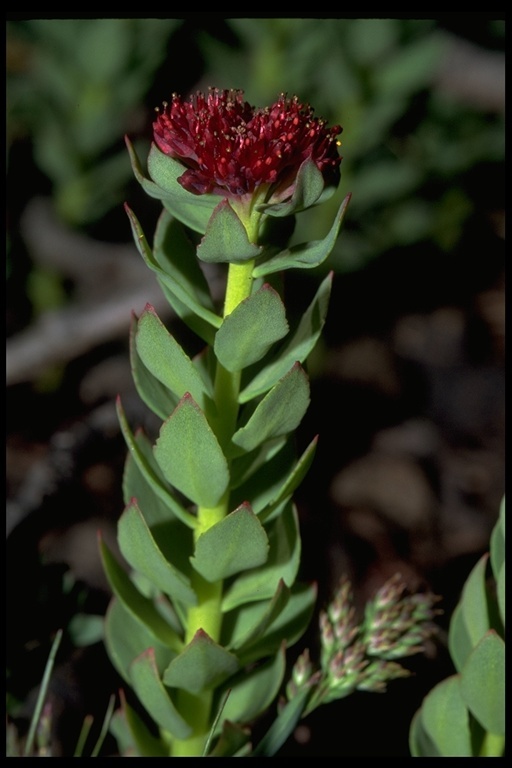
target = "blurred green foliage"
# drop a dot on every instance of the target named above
(464, 714)
(75, 86)
(406, 145)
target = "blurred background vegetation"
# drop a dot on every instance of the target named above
(408, 386)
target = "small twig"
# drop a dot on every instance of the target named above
(111, 282)
(71, 253)
(473, 75)
(62, 335)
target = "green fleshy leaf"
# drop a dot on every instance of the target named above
(151, 391)
(500, 592)
(257, 629)
(309, 186)
(146, 744)
(272, 477)
(232, 740)
(252, 692)
(279, 413)
(176, 255)
(173, 613)
(178, 287)
(151, 472)
(297, 347)
(290, 624)
(265, 472)
(282, 563)
(193, 210)
(205, 363)
(190, 456)
(275, 234)
(136, 165)
(249, 331)
(141, 551)
(176, 543)
(166, 360)
(244, 467)
(446, 719)
(420, 743)
(141, 608)
(305, 255)
(459, 639)
(283, 725)
(497, 556)
(136, 486)
(260, 620)
(126, 638)
(292, 481)
(203, 329)
(234, 544)
(483, 682)
(120, 730)
(497, 544)
(226, 238)
(474, 602)
(203, 664)
(155, 698)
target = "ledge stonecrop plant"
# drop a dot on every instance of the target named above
(199, 627)
(464, 715)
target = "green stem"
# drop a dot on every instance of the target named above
(207, 614)
(238, 286)
(493, 745)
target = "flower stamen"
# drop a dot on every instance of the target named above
(221, 140)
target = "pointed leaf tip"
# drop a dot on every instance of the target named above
(154, 696)
(250, 330)
(202, 664)
(190, 456)
(225, 238)
(235, 544)
(280, 411)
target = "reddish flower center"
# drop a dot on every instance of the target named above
(230, 148)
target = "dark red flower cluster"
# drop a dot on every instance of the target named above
(230, 148)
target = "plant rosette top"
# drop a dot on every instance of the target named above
(262, 162)
(199, 627)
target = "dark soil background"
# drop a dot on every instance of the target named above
(408, 397)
